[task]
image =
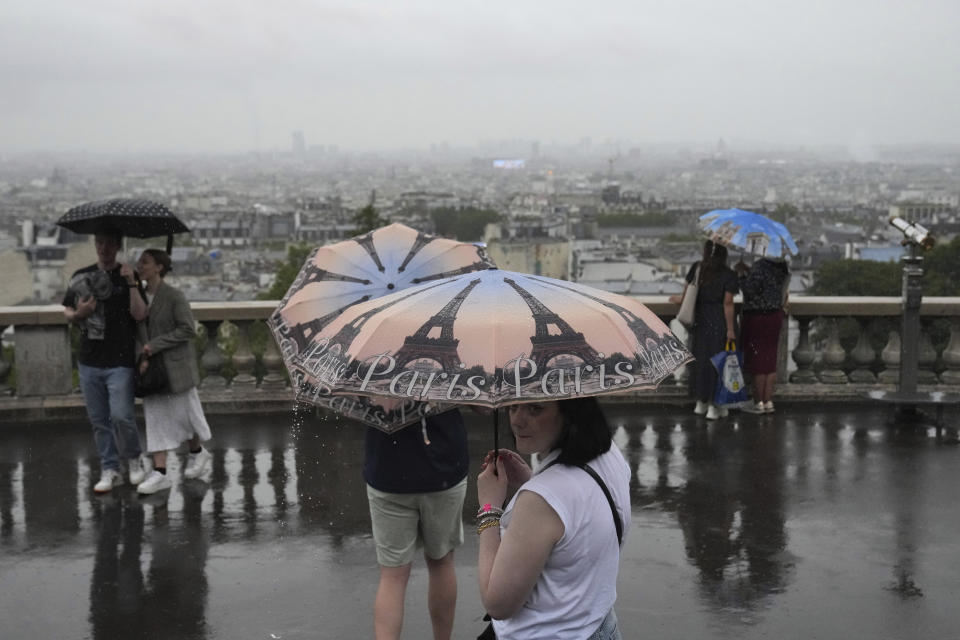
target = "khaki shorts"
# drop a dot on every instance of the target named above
(405, 522)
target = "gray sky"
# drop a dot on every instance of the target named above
(218, 75)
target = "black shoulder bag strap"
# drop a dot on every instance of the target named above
(603, 486)
(613, 509)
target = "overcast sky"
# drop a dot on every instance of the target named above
(218, 75)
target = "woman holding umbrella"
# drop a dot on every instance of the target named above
(548, 563)
(765, 290)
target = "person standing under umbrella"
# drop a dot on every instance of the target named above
(174, 415)
(416, 484)
(105, 301)
(765, 289)
(548, 561)
(713, 323)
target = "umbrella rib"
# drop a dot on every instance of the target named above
(420, 268)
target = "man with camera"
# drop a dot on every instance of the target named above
(106, 302)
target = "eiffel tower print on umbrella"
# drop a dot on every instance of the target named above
(493, 338)
(336, 277)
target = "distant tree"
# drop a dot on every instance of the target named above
(367, 219)
(465, 224)
(287, 271)
(941, 267)
(856, 278)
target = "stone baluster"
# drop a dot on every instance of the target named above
(863, 354)
(927, 357)
(803, 355)
(951, 355)
(834, 356)
(5, 367)
(243, 358)
(273, 362)
(891, 359)
(212, 358)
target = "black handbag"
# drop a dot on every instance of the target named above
(154, 379)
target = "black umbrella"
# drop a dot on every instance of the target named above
(131, 217)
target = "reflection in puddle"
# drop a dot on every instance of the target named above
(737, 504)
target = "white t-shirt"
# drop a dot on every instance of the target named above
(578, 585)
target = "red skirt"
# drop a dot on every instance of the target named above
(760, 334)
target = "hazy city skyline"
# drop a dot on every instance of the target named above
(225, 77)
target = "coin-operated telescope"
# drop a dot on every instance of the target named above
(914, 233)
(917, 238)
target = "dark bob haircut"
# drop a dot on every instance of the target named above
(162, 258)
(585, 433)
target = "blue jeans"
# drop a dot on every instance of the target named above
(108, 393)
(608, 629)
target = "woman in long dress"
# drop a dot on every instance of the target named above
(713, 323)
(175, 415)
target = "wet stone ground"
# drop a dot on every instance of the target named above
(811, 523)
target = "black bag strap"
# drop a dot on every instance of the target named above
(613, 509)
(603, 486)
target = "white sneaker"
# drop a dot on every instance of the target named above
(135, 469)
(197, 463)
(712, 413)
(768, 406)
(724, 411)
(701, 408)
(753, 407)
(156, 481)
(109, 479)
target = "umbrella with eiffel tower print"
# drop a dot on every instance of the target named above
(493, 338)
(335, 277)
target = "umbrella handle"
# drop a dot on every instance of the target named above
(496, 439)
(169, 244)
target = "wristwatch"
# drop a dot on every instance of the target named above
(132, 286)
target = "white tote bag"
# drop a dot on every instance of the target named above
(689, 302)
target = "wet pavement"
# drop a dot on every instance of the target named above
(814, 522)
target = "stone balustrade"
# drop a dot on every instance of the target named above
(830, 349)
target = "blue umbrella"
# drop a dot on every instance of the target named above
(748, 231)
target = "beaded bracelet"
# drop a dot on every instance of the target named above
(488, 508)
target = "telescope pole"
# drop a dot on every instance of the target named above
(910, 332)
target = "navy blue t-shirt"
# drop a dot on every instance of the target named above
(403, 462)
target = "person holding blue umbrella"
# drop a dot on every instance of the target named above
(764, 287)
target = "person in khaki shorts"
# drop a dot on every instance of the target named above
(416, 483)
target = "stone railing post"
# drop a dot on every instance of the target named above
(863, 354)
(5, 367)
(951, 355)
(891, 359)
(243, 358)
(926, 357)
(833, 356)
(212, 358)
(273, 363)
(803, 355)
